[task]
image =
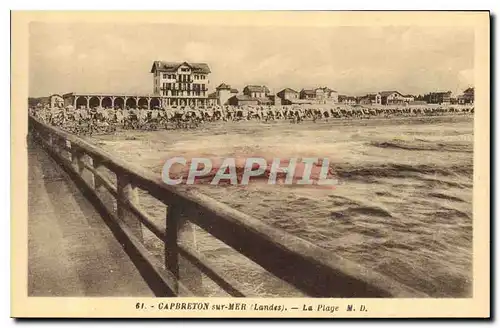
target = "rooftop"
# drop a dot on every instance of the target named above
(223, 86)
(327, 89)
(387, 93)
(257, 88)
(288, 90)
(164, 66)
(308, 91)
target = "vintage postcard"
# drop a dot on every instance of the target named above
(250, 164)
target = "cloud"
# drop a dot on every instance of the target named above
(353, 60)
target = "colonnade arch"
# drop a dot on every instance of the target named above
(94, 102)
(80, 101)
(119, 102)
(155, 103)
(107, 102)
(142, 103)
(131, 102)
(136, 102)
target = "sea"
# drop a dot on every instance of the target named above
(402, 207)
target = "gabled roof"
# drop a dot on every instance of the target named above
(308, 91)
(257, 88)
(388, 93)
(288, 90)
(164, 66)
(326, 89)
(223, 86)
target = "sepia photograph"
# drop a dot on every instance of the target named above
(174, 162)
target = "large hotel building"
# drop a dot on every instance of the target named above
(174, 84)
(181, 84)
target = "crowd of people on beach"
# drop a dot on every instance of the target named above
(107, 120)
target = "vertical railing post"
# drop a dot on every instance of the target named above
(95, 182)
(50, 139)
(76, 158)
(170, 242)
(180, 230)
(127, 193)
(58, 145)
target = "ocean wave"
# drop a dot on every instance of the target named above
(397, 170)
(420, 144)
(404, 207)
(445, 197)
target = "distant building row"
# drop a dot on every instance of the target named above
(260, 95)
(397, 98)
(187, 84)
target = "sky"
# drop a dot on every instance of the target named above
(107, 57)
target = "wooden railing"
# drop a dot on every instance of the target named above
(310, 269)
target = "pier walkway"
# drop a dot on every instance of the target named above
(80, 245)
(72, 252)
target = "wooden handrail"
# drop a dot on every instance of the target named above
(309, 268)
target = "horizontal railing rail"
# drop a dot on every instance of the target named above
(312, 270)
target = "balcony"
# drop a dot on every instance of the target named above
(178, 80)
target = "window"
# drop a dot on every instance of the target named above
(164, 76)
